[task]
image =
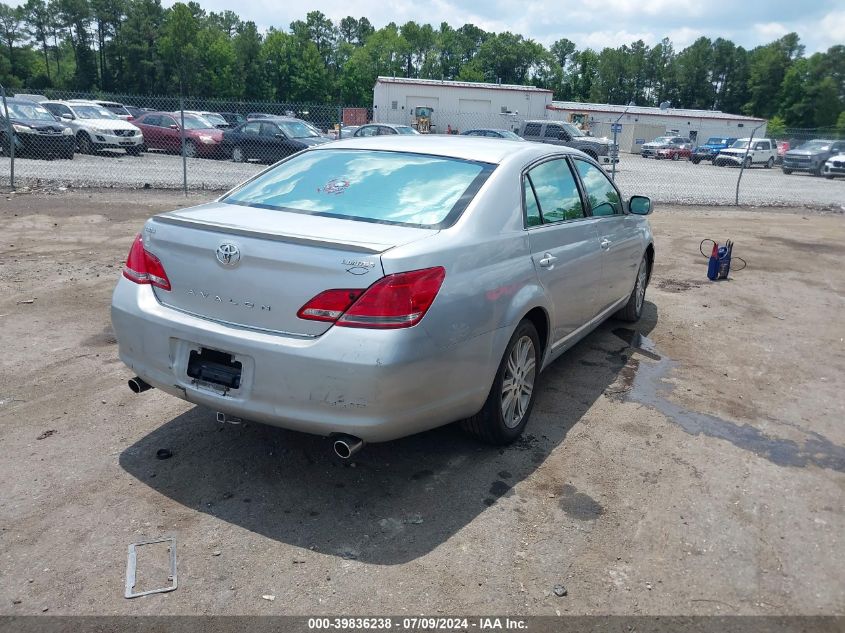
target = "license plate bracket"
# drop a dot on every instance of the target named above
(214, 367)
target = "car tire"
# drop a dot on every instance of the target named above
(817, 171)
(676, 156)
(633, 310)
(747, 162)
(695, 161)
(134, 151)
(190, 149)
(770, 163)
(829, 177)
(498, 422)
(83, 142)
(787, 171)
(238, 155)
(68, 155)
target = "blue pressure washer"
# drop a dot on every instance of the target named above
(719, 266)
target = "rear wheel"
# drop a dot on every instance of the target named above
(676, 156)
(633, 310)
(770, 163)
(508, 406)
(787, 171)
(747, 162)
(238, 154)
(695, 161)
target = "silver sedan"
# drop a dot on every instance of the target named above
(369, 289)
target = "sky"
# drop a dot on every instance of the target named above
(588, 23)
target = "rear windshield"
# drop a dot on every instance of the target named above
(370, 186)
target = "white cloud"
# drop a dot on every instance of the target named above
(768, 31)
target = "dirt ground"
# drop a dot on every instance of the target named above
(700, 470)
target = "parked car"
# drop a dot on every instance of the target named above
(783, 148)
(162, 130)
(259, 115)
(811, 156)
(834, 166)
(348, 292)
(494, 133)
(96, 128)
(568, 135)
(36, 132)
(649, 150)
(675, 152)
(760, 152)
(384, 129)
(212, 117)
(117, 109)
(270, 140)
(233, 118)
(30, 97)
(711, 149)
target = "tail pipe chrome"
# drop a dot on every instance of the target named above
(345, 446)
(139, 385)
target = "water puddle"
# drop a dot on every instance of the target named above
(648, 387)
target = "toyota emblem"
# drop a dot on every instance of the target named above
(228, 254)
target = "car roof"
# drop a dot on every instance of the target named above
(476, 148)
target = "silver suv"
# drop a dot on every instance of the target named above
(96, 127)
(563, 133)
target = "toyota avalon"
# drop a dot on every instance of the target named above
(368, 289)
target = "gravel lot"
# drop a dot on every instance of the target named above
(703, 473)
(665, 181)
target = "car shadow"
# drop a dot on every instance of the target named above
(397, 500)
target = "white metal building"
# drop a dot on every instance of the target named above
(641, 124)
(460, 105)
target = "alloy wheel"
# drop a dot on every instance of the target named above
(518, 381)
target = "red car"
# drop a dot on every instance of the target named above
(783, 148)
(675, 152)
(162, 131)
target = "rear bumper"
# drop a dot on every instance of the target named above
(375, 384)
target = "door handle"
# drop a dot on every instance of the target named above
(548, 260)
(605, 243)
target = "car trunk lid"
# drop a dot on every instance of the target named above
(254, 268)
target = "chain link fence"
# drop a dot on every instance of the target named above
(74, 139)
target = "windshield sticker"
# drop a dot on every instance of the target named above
(334, 187)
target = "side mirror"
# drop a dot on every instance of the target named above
(280, 135)
(173, 126)
(639, 205)
(67, 116)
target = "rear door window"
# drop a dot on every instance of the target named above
(556, 190)
(367, 185)
(532, 129)
(251, 129)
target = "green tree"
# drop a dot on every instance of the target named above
(11, 30)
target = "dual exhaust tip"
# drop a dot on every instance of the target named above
(345, 446)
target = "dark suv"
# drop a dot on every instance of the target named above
(35, 131)
(563, 133)
(811, 156)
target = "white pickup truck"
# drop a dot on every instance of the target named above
(761, 152)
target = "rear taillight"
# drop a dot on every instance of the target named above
(143, 267)
(395, 301)
(329, 305)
